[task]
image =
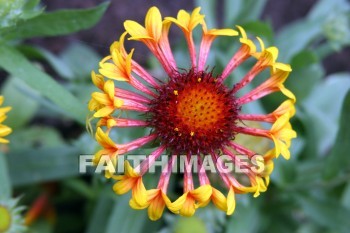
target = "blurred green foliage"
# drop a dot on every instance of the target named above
(310, 193)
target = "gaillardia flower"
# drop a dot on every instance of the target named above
(4, 130)
(191, 112)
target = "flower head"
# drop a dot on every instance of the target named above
(4, 130)
(191, 112)
(11, 219)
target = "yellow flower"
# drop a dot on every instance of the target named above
(4, 130)
(191, 112)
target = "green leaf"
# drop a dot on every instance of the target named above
(303, 59)
(61, 22)
(324, 8)
(326, 17)
(338, 159)
(241, 221)
(62, 68)
(5, 187)
(346, 196)
(321, 112)
(73, 56)
(241, 11)
(296, 37)
(28, 166)
(261, 29)
(35, 137)
(17, 65)
(18, 97)
(208, 9)
(306, 70)
(10, 12)
(31, 9)
(80, 187)
(130, 217)
(189, 225)
(326, 212)
(101, 212)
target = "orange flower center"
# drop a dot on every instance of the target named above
(199, 108)
(194, 113)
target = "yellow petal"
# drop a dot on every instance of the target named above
(101, 98)
(286, 107)
(280, 124)
(129, 170)
(288, 93)
(133, 204)
(5, 109)
(153, 23)
(156, 207)
(139, 193)
(103, 139)
(188, 208)
(222, 32)
(231, 202)
(219, 199)
(113, 72)
(105, 111)
(177, 205)
(109, 89)
(282, 66)
(97, 79)
(123, 186)
(4, 141)
(136, 30)
(4, 131)
(118, 103)
(202, 193)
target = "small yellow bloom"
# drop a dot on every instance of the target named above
(4, 130)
